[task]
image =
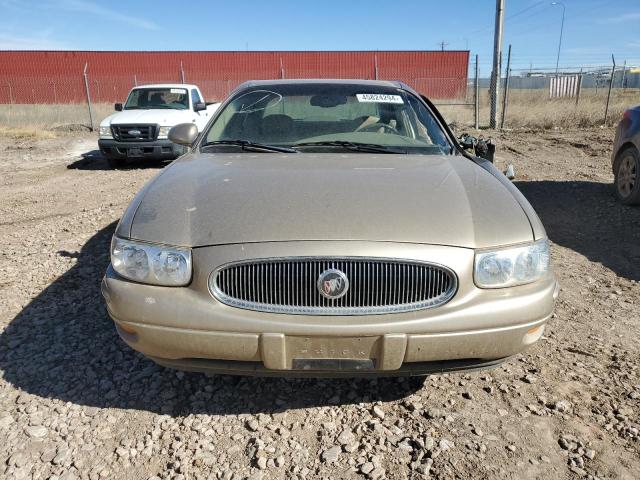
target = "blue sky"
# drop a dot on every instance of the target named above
(593, 30)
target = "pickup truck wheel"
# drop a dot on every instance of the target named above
(116, 162)
(627, 176)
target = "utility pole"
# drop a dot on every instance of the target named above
(505, 97)
(497, 63)
(442, 45)
(561, 29)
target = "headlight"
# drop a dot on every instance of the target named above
(154, 264)
(164, 132)
(105, 132)
(512, 266)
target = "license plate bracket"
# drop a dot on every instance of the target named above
(135, 152)
(332, 364)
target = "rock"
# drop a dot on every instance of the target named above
(377, 473)
(562, 406)
(429, 444)
(433, 413)
(445, 444)
(367, 468)
(378, 412)
(18, 459)
(331, 455)
(253, 425)
(36, 431)
(262, 463)
(346, 437)
(5, 421)
(63, 456)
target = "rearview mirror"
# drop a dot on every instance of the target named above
(118, 107)
(184, 134)
(199, 106)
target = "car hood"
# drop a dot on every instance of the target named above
(209, 199)
(165, 116)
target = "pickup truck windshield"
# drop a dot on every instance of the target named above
(325, 117)
(151, 98)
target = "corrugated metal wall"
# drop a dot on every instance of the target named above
(57, 76)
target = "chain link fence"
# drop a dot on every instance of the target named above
(530, 98)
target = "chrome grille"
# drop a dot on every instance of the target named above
(122, 132)
(291, 285)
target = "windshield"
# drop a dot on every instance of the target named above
(148, 98)
(330, 116)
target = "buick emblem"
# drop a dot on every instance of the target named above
(333, 284)
(135, 133)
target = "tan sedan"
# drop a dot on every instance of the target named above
(328, 228)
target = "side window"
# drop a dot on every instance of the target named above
(428, 129)
(195, 96)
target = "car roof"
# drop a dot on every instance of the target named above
(167, 85)
(331, 81)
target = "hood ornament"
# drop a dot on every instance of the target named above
(333, 284)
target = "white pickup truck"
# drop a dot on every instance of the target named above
(139, 128)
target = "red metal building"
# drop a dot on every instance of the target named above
(57, 76)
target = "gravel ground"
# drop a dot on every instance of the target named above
(75, 402)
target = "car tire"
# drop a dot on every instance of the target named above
(116, 163)
(627, 176)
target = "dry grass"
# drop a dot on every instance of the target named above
(52, 117)
(533, 109)
(22, 133)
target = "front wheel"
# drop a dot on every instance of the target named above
(627, 183)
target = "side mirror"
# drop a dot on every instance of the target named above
(118, 107)
(197, 107)
(485, 149)
(482, 147)
(467, 141)
(184, 134)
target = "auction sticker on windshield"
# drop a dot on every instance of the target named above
(378, 98)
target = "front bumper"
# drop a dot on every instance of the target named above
(162, 149)
(187, 328)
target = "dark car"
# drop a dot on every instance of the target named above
(626, 157)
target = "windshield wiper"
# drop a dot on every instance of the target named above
(356, 146)
(252, 146)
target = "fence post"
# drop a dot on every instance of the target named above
(55, 94)
(613, 71)
(375, 58)
(135, 80)
(10, 93)
(624, 74)
(579, 87)
(86, 86)
(505, 98)
(281, 68)
(181, 72)
(476, 112)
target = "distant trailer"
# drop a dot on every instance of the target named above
(565, 86)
